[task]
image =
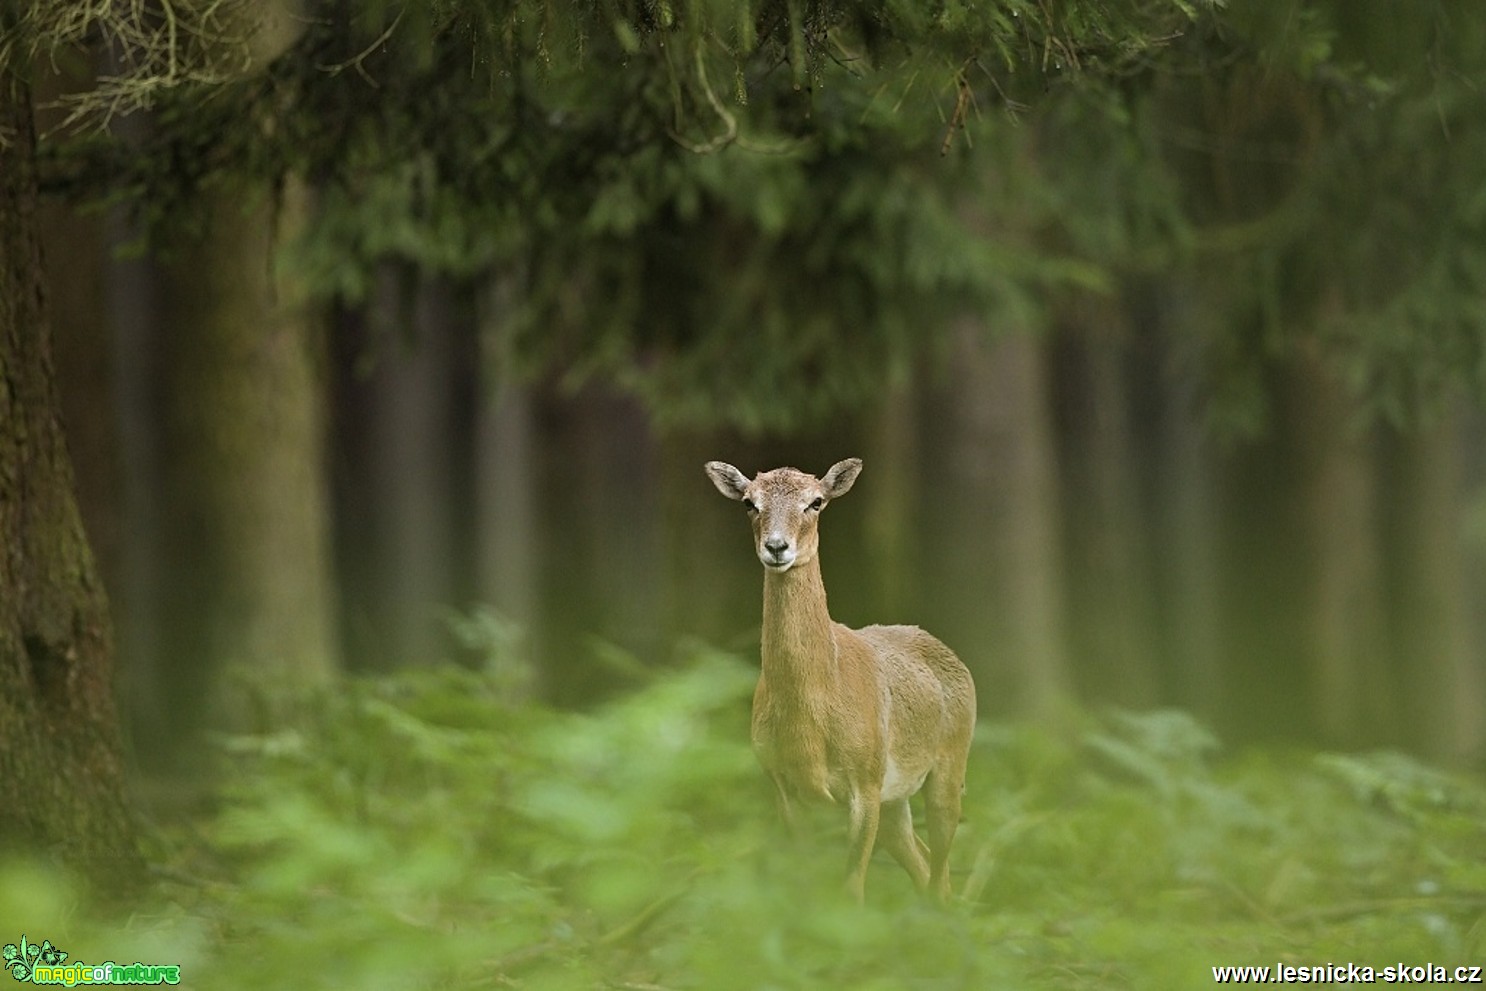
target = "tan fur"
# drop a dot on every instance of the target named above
(839, 713)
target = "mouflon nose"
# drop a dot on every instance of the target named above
(776, 546)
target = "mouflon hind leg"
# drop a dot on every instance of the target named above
(942, 794)
(896, 835)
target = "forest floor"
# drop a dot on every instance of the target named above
(423, 832)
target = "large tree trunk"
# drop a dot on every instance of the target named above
(60, 765)
(248, 555)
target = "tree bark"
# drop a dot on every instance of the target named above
(61, 777)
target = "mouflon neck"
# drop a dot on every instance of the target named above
(797, 641)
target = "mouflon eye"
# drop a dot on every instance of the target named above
(748, 505)
(816, 504)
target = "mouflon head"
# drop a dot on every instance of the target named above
(784, 506)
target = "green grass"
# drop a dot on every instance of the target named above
(420, 832)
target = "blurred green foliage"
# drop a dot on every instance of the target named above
(423, 831)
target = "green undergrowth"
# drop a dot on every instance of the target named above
(420, 831)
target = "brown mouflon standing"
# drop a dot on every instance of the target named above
(862, 717)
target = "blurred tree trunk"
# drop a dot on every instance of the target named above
(142, 607)
(892, 457)
(1266, 612)
(126, 329)
(1189, 566)
(395, 437)
(61, 777)
(1440, 678)
(998, 582)
(598, 511)
(1346, 608)
(247, 555)
(505, 504)
(624, 506)
(568, 594)
(249, 579)
(1109, 578)
(104, 329)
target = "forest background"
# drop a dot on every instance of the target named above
(392, 337)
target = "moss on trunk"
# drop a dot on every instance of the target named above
(60, 753)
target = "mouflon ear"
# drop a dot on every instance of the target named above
(729, 480)
(839, 479)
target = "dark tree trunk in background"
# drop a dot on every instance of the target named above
(140, 603)
(505, 518)
(1348, 632)
(1265, 609)
(61, 783)
(996, 580)
(624, 510)
(1440, 676)
(1109, 569)
(395, 451)
(119, 486)
(597, 512)
(568, 593)
(1188, 560)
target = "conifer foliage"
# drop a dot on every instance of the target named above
(714, 200)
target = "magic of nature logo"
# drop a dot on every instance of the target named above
(43, 963)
